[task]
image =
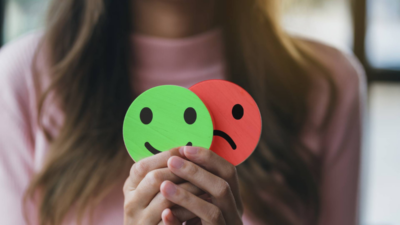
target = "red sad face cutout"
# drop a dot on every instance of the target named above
(236, 119)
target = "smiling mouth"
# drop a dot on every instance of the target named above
(226, 137)
(155, 151)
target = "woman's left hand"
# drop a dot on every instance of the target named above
(215, 176)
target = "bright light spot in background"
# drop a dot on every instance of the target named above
(383, 35)
(22, 16)
(381, 187)
(380, 203)
(12, 12)
(326, 21)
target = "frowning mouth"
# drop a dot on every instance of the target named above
(155, 151)
(226, 137)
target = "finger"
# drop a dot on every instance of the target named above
(182, 214)
(150, 186)
(207, 212)
(159, 202)
(194, 221)
(140, 169)
(168, 218)
(216, 165)
(218, 188)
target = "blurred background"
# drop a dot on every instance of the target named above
(370, 29)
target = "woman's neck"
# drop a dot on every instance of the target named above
(173, 18)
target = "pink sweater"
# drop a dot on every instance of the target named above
(184, 62)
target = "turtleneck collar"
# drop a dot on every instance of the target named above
(183, 62)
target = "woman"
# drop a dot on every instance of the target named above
(64, 94)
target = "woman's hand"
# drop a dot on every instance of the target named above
(218, 179)
(143, 202)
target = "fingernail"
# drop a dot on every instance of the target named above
(167, 215)
(169, 189)
(191, 150)
(176, 162)
(181, 151)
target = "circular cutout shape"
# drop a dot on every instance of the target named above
(236, 118)
(168, 127)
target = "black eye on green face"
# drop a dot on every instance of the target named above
(190, 115)
(146, 115)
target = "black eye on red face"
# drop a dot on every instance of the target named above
(237, 111)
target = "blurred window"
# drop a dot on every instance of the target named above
(327, 21)
(22, 16)
(383, 33)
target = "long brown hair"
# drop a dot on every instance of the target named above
(87, 42)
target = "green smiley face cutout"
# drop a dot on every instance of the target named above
(165, 117)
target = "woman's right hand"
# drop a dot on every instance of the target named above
(143, 203)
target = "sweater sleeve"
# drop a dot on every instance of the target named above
(342, 147)
(16, 127)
